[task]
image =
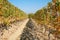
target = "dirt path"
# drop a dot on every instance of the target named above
(18, 31)
(33, 31)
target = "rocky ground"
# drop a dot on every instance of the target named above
(14, 31)
(30, 31)
(36, 32)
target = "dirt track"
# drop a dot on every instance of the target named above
(18, 31)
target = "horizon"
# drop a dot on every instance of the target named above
(30, 6)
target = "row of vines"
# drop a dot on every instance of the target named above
(50, 16)
(10, 13)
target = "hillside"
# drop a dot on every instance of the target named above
(9, 13)
(50, 16)
(16, 24)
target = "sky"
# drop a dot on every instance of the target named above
(30, 6)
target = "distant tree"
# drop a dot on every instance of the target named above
(30, 15)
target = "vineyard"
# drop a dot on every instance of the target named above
(50, 16)
(9, 13)
(47, 17)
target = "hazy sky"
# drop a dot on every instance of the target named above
(29, 6)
